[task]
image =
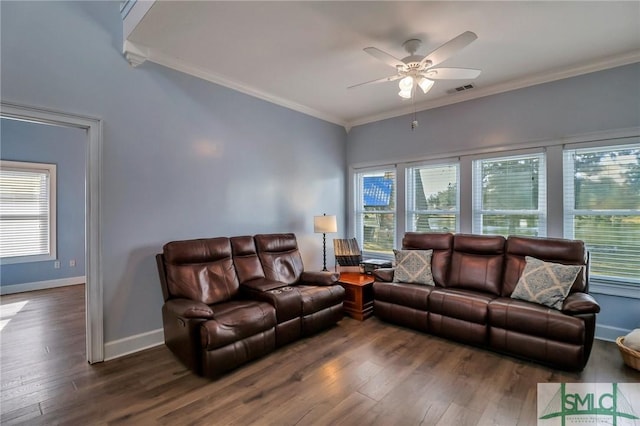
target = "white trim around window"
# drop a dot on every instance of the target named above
(27, 212)
(554, 220)
(433, 197)
(375, 218)
(510, 195)
(602, 208)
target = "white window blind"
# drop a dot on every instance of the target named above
(509, 195)
(432, 198)
(602, 208)
(375, 214)
(27, 211)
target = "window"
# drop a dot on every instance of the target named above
(432, 198)
(602, 208)
(27, 211)
(375, 206)
(509, 196)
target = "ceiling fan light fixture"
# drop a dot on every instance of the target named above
(425, 84)
(405, 94)
(406, 83)
(406, 87)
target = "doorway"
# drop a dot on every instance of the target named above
(93, 171)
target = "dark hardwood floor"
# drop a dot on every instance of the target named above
(353, 374)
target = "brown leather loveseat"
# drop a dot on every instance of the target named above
(231, 300)
(475, 277)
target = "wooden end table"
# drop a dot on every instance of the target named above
(358, 298)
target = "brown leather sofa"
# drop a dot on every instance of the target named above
(474, 278)
(231, 300)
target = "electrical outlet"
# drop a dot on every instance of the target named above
(72, 263)
(56, 264)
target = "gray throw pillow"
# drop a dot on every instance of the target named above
(545, 283)
(413, 266)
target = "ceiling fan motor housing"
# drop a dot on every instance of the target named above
(412, 45)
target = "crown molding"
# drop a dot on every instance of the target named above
(606, 63)
(136, 52)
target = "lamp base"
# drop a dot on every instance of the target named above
(324, 252)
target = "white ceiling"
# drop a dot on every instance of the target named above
(304, 54)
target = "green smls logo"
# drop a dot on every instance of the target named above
(614, 405)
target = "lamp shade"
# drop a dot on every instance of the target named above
(325, 224)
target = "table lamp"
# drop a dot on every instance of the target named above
(324, 224)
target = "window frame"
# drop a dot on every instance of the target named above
(606, 284)
(477, 210)
(359, 210)
(553, 149)
(410, 209)
(51, 170)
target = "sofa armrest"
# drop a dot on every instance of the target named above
(186, 308)
(580, 303)
(384, 274)
(319, 277)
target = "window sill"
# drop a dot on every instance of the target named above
(26, 259)
(614, 288)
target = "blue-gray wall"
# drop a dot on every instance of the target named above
(605, 100)
(182, 158)
(65, 147)
(598, 102)
(185, 158)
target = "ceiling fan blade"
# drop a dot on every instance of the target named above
(451, 73)
(379, 80)
(384, 57)
(449, 48)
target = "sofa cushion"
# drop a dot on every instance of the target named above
(317, 298)
(201, 270)
(465, 305)
(568, 252)
(235, 321)
(535, 320)
(440, 243)
(413, 267)
(415, 296)
(245, 258)
(546, 283)
(203, 282)
(280, 257)
(476, 263)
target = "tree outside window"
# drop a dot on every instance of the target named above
(510, 196)
(602, 208)
(432, 198)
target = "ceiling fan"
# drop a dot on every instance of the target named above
(415, 70)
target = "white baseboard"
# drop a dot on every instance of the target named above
(610, 334)
(132, 344)
(41, 285)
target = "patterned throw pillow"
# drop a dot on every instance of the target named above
(545, 283)
(413, 266)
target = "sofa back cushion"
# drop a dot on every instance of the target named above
(556, 250)
(440, 243)
(245, 258)
(200, 270)
(476, 263)
(280, 257)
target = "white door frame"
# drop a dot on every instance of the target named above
(93, 178)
